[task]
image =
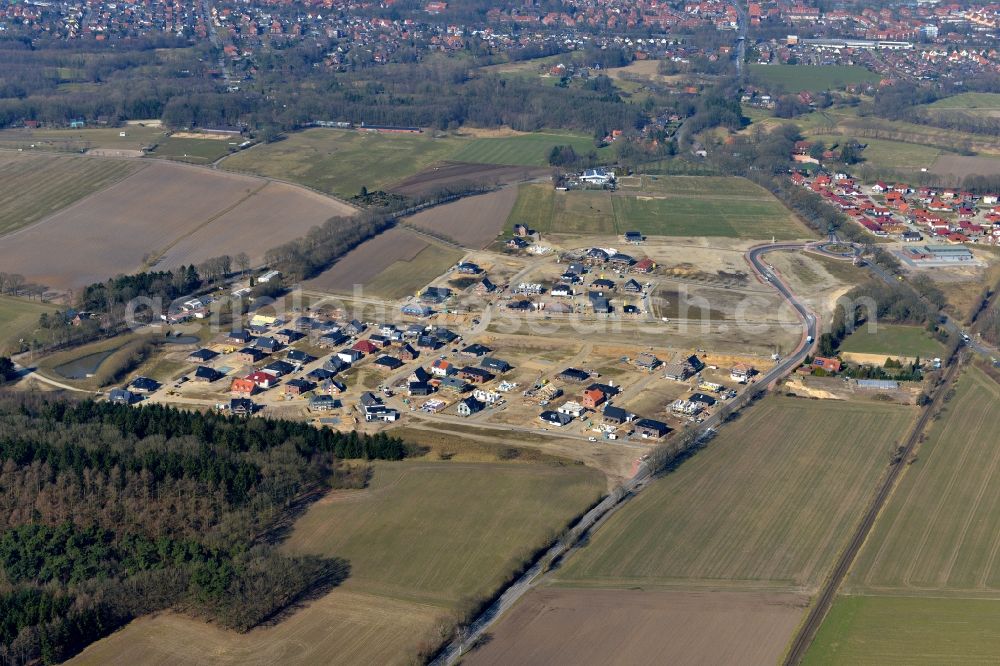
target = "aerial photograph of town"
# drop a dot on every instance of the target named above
(520, 332)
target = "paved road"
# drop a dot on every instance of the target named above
(454, 650)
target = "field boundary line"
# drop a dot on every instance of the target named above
(78, 202)
(155, 259)
(890, 481)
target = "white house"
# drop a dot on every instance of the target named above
(599, 176)
(572, 408)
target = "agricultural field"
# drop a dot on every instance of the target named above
(341, 162)
(796, 78)
(453, 175)
(893, 340)
(940, 533)
(924, 589)
(768, 504)
(165, 213)
(964, 165)
(472, 222)
(38, 185)
(422, 540)
(391, 265)
(907, 630)
(660, 206)
(19, 320)
(555, 625)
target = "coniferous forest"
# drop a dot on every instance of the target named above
(109, 512)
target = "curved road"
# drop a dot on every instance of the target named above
(454, 650)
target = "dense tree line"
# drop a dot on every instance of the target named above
(119, 290)
(322, 245)
(108, 512)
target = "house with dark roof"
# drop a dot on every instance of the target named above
(287, 336)
(615, 415)
(202, 355)
(207, 374)
(469, 406)
(555, 418)
(651, 429)
(278, 368)
(476, 350)
(419, 388)
(475, 375)
(332, 339)
(428, 342)
(435, 294)
(323, 403)
(634, 237)
(299, 357)
(320, 374)
(143, 385)
(456, 384)
(298, 386)
(242, 406)
(266, 344)
(251, 355)
(495, 364)
(574, 375)
(445, 335)
(407, 352)
(388, 362)
(632, 286)
(121, 396)
(241, 336)
(702, 399)
(606, 389)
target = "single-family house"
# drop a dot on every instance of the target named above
(571, 408)
(251, 355)
(202, 355)
(243, 386)
(298, 386)
(323, 402)
(651, 429)
(555, 418)
(443, 368)
(469, 406)
(574, 375)
(615, 415)
(350, 356)
(593, 398)
(207, 374)
(495, 364)
(143, 385)
(475, 375)
(388, 362)
(241, 407)
(647, 361)
(120, 396)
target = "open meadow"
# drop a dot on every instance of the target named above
(84, 139)
(165, 214)
(422, 540)
(768, 504)
(37, 185)
(974, 103)
(19, 320)
(814, 78)
(341, 162)
(893, 340)
(660, 206)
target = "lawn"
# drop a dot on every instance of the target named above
(441, 532)
(893, 340)
(940, 532)
(405, 278)
(706, 216)
(584, 212)
(796, 78)
(19, 320)
(38, 185)
(907, 630)
(769, 503)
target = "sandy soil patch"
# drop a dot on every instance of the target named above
(473, 221)
(199, 135)
(362, 264)
(114, 152)
(638, 627)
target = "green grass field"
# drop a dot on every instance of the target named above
(19, 320)
(79, 140)
(37, 185)
(405, 278)
(525, 149)
(907, 630)
(341, 162)
(660, 206)
(971, 102)
(769, 503)
(193, 151)
(441, 532)
(795, 78)
(893, 340)
(940, 532)
(888, 154)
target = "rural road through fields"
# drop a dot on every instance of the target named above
(828, 593)
(454, 650)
